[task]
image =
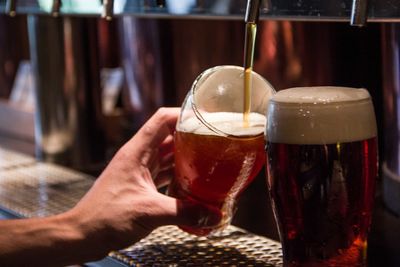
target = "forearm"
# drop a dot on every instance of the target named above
(53, 241)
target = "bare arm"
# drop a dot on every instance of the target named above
(52, 241)
(122, 207)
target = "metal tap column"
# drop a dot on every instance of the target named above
(68, 116)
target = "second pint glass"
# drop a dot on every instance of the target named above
(321, 171)
(216, 154)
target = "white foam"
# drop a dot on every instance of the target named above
(222, 89)
(227, 122)
(320, 94)
(320, 115)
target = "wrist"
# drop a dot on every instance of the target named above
(98, 229)
(57, 240)
(87, 238)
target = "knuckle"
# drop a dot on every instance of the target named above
(162, 113)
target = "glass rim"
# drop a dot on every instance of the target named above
(194, 87)
(319, 104)
(362, 94)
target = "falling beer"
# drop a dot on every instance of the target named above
(321, 171)
(216, 155)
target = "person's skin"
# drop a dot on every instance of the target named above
(122, 207)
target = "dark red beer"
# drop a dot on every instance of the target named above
(321, 169)
(323, 197)
(214, 169)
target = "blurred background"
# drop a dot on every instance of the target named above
(78, 78)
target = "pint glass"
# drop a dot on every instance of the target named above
(216, 154)
(321, 171)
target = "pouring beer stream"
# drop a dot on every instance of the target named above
(251, 19)
(219, 139)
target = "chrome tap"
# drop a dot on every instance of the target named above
(108, 9)
(55, 8)
(161, 3)
(11, 7)
(265, 6)
(359, 13)
(253, 9)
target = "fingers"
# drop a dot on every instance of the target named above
(161, 158)
(187, 213)
(167, 146)
(166, 163)
(146, 142)
(157, 128)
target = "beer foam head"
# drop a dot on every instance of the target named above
(222, 89)
(227, 122)
(320, 115)
(321, 94)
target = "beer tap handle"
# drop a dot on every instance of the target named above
(108, 9)
(55, 9)
(359, 13)
(11, 7)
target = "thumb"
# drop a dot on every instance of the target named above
(187, 213)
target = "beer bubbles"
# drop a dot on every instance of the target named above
(321, 170)
(321, 115)
(220, 89)
(216, 155)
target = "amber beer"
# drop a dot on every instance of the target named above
(321, 171)
(214, 169)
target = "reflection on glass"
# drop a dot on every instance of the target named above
(322, 166)
(216, 155)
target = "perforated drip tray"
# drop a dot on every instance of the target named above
(41, 189)
(169, 246)
(10, 159)
(30, 189)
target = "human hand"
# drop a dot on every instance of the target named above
(124, 205)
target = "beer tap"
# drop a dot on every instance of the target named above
(161, 3)
(359, 13)
(253, 9)
(265, 6)
(55, 9)
(108, 9)
(199, 6)
(11, 7)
